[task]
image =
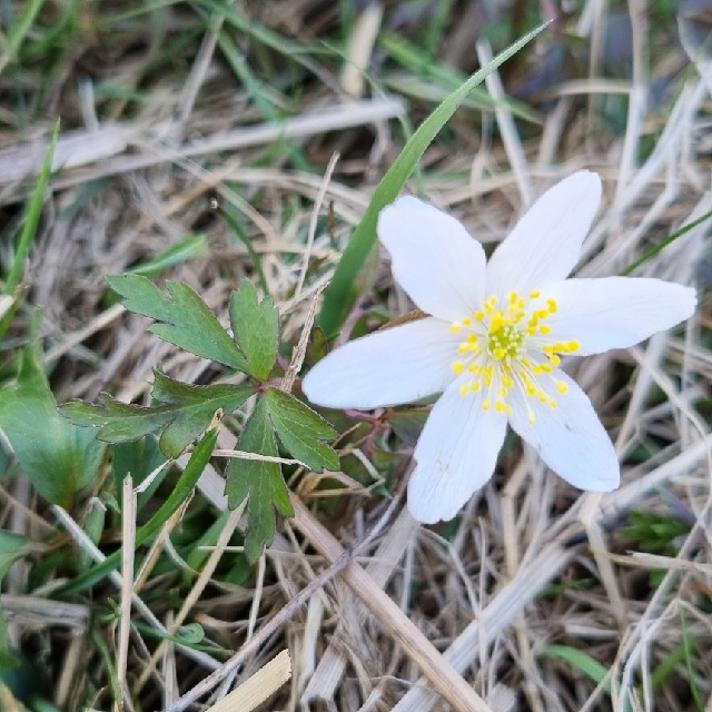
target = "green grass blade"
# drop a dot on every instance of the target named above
(177, 253)
(582, 661)
(186, 482)
(688, 648)
(342, 292)
(241, 235)
(17, 34)
(33, 211)
(657, 249)
(411, 57)
(667, 666)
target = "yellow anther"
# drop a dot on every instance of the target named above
(507, 358)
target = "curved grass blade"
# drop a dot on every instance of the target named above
(343, 290)
(657, 249)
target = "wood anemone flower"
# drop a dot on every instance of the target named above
(494, 342)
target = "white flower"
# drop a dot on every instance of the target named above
(494, 342)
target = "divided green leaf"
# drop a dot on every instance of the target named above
(256, 329)
(185, 320)
(181, 412)
(302, 431)
(259, 481)
(59, 458)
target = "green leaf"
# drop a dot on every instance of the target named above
(59, 458)
(185, 319)
(12, 547)
(341, 292)
(139, 458)
(194, 407)
(259, 481)
(187, 481)
(181, 412)
(256, 329)
(7, 658)
(302, 431)
(190, 634)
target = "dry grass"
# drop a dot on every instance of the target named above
(360, 595)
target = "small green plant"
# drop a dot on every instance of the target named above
(179, 413)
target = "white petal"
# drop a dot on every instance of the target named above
(434, 259)
(396, 365)
(570, 438)
(546, 243)
(456, 454)
(616, 312)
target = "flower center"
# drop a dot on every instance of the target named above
(509, 347)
